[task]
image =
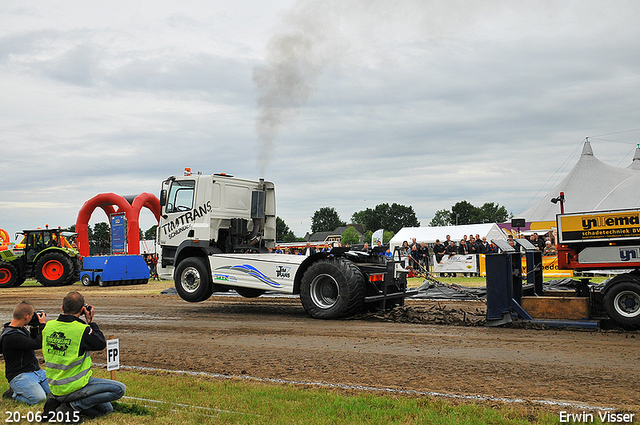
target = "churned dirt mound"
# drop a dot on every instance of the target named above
(422, 346)
(430, 312)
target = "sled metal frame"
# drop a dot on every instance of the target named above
(504, 287)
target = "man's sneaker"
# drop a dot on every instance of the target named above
(49, 409)
(8, 393)
(69, 415)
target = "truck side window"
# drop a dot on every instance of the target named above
(181, 196)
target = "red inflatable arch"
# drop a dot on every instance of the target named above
(106, 201)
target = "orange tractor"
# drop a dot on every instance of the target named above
(43, 254)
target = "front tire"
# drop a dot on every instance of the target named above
(8, 275)
(332, 288)
(622, 303)
(54, 269)
(193, 280)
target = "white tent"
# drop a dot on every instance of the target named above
(591, 185)
(430, 234)
(148, 246)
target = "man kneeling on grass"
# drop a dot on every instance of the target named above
(27, 382)
(66, 345)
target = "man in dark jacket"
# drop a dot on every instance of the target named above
(439, 250)
(27, 382)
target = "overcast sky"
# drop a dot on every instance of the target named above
(346, 104)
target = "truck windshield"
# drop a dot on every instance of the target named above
(180, 196)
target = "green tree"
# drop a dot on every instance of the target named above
(441, 218)
(281, 229)
(350, 236)
(384, 216)
(284, 234)
(150, 233)
(291, 237)
(326, 219)
(491, 212)
(100, 239)
(464, 212)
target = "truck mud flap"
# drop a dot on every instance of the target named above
(389, 292)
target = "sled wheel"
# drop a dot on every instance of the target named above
(332, 288)
(622, 303)
(193, 280)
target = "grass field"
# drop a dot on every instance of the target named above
(167, 398)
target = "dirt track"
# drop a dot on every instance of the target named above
(274, 338)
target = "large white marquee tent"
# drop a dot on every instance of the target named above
(591, 185)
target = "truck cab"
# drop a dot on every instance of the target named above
(215, 214)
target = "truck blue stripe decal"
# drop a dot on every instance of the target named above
(252, 271)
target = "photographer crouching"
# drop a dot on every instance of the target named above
(67, 343)
(27, 382)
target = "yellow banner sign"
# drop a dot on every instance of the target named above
(549, 267)
(603, 225)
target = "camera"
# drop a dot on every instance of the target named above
(87, 308)
(35, 320)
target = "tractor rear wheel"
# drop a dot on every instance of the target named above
(8, 275)
(332, 288)
(54, 269)
(622, 303)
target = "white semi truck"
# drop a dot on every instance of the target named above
(216, 233)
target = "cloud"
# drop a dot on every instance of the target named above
(344, 104)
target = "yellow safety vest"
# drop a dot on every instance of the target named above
(66, 370)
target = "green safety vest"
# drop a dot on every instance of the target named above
(66, 370)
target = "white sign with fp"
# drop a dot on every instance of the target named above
(113, 354)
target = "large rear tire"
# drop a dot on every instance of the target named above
(332, 288)
(193, 280)
(622, 303)
(8, 275)
(54, 269)
(249, 292)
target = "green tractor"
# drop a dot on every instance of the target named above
(43, 254)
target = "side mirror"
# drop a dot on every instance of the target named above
(163, 197)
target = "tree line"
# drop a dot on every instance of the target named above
(394, 217)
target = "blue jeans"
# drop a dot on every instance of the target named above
(94, 398)
(30, 387)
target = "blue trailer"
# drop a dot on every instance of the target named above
(111, 270)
